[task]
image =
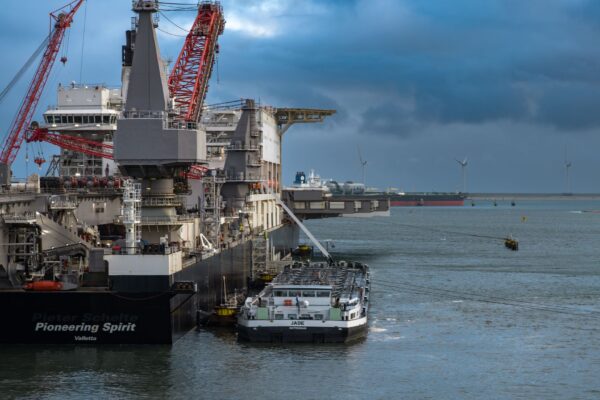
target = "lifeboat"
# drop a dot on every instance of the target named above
(43, 286)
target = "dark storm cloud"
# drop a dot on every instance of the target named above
(447, 78)
(462, 61)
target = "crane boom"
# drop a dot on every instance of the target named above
(62, 20)
(74, 143)
(188, 81)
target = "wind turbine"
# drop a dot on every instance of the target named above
(463, 166)
(567, 167)
(363, 165)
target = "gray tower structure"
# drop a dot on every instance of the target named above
(243, 163)
(150, 144)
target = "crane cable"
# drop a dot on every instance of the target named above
(173, 23)
(83, 42)
(452, 232)
(24, 68)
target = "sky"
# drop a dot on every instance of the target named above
(511, 85)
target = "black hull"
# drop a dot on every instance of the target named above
(140, 310)
(308, 335)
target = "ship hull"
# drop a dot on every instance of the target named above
(127, 315)
(301, 335)
(427, 203)
(427, 200)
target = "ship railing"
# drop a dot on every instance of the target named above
(143, 114)
(211, 123)
(240, 147)
(82, 190)
(152, 249)
(166, 220)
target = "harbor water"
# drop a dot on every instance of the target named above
(453, 316)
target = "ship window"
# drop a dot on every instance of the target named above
(78, 119)
(308, 293)
(319, 316)
(97, 119)
(106, 119)
(63, 119)
(294, 293)
(85, 119)
(322, 293)
(305, 316)
(278, 316)
(352, 315)
(113, 120)
(291, 316)
(280, 293)
(70, 119)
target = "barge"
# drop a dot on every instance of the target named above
(319, 302)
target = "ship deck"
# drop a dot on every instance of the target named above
(344, 278)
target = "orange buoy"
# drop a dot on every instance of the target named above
(43, 286)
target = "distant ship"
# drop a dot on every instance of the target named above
(427, 199)
(397, 199)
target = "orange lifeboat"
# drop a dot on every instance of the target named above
(43, 286)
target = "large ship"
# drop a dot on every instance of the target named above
(396, 198)
(322, 302)
(153, 200)
(426, 199)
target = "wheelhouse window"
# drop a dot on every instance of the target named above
(106, 119)
(294, 293)
(78, 119)
(308, 293)
(97, 119)
(63, 119)
(322, 293)
(70, 119)
(280, 293)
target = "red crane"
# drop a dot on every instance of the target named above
(188, 81)
(75, 143)
(62, 17)
(188, 84)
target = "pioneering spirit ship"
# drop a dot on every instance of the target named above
(153, 200)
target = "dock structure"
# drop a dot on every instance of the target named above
(316, 204)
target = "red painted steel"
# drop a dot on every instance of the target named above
(188, 81)
(63, 18)
(86, 146)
